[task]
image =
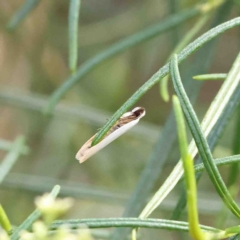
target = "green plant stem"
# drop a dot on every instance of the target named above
(186, 39)
(233, 174)
(27, 223)
(213, 137)
(74, 10)
(174, 7)
(196, 131)
(7, 146)
(192, 47)
(168, 136)
(128, 222)
(119, 47)
(4, 221)
(22, 13)
(211, 117)
(181, 130)
(219, 162)
(212, 76)
(191, 189)
(11, 157)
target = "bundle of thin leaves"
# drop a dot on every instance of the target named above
(205, 136)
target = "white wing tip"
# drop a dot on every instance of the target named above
(81, 157)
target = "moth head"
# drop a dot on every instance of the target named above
(139, 112)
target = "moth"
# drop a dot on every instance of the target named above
(124, 123)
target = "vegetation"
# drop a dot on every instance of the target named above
(49, 127)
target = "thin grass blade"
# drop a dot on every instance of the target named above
(167, 139)
(74, 11)
(189, 174)
(22, 13)
(128, 222)
(4, 221)
(212, 76)
(11, 157)
(212, 140)
(186, 39)
(219, 162)
(208, 123)
(203, 148)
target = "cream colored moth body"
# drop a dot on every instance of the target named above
(125, 122)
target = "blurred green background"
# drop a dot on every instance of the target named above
(34, 62)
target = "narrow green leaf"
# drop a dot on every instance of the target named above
(214, 112)
(119, 47)
(128, 222)
(196, 131)
(22, 13)
(174, 7)
(213, 137)
(234, 170)
(7, 146)
(219, 162)
(232, 181)
(186, 39)
(192, 47)
(74, 10)
(191, 189)
(4, 221)
(181, 129)
(32, 217)
(11, 157)
(168, 136)
(212, 76)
